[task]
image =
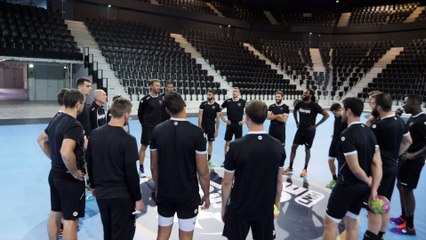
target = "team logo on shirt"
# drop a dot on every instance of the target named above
(374, 126)
(75, 214)
(259, 137)
(343, 139)
(307, 111)
(239, 104)
(213, 107)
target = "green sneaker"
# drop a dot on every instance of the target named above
(331, 184)
(211, 163)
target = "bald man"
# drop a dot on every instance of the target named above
(97, 111)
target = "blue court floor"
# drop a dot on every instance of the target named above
(25, 207)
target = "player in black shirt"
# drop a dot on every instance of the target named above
(278, 115)
(394, 139)
(209, 120)
(168, 88)
(411, 165)
(63, 142)
(126, 127)
(234, 112)
(150, 115)
(360, 172)
(97, 112)
(308, 110)
(178, 163)
(339, 126)
(111, 157)
(250, 189)
(372, 102)
(84, 85)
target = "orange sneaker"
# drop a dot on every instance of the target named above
(288, 171)
(304, 173)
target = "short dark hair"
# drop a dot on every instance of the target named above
(81, 81)
(416, 99)
(354, 104)
(120, 106)
(61, 96)
(384, 100)
(72, 97)
(335, 107)
(280, 93)
(116, 97)
(211, 91)
(257, 111)
(174, 102)
(169, 83)
(374, 93)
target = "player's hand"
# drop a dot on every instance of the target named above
(407, 156)
(139, 205)
(312, 127)
(399, 112)
(240, 123)
(78, 174)
(223, 213)
(205, 202)
(228, 122)
(373, 195)
(216, 133)
(93, 192)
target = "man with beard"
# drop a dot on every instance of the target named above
(360, 173)
(308, 110)
(372, 101)
(63, 142)
(278, 115)
(150, 115)
(169, 88)
(411, 165)
(111, 157)
(209, 120)
(339, 126)
(394, 139)
(97, 112)
(234, 112)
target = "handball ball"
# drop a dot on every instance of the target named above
(276, 211)
(380, 205)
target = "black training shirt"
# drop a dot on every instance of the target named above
(417, 126)
(149, 111)
(234, 109)
(307, 114)
(209, 112)
(276, 110)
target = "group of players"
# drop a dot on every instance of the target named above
(370, 157)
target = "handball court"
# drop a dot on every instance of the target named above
(25, 202)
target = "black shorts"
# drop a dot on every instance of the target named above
(332, 151)
(117, 219)
(146, 135)
(67, 195)
(278, 134)
(233, 129)
(346, 198)
(388, 182)
(184, 207)
(409, 172)
(236, 228)
(304, 138)
(209, 130)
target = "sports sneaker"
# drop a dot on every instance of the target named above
(304, 173)
(397, 221)
(404, 230)
(288, 171)
(223, 164)
(331, 184)
(89, 196)
(211, 163)
(141, 171)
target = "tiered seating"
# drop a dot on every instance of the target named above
(293, 57)
(405, 75)
(240, 12)
(314, 17)
(139, 53)
(422, 16)
(240, 67)
(35, 32)
(350, 61)
(384, 14)
(190, 5)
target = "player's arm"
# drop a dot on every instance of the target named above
(227, 180)
(43, 142)
(415, 155)
(282, 117)
(69, 158)
(405, 143)
(352, 161)
(370, 121)
(295, 111)
(325, 116)
(376, 172)
(203, 177)
(200, 117)
(217, 124)
(279, 187)
(141, 110)
(154, 166)
(271, 116)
